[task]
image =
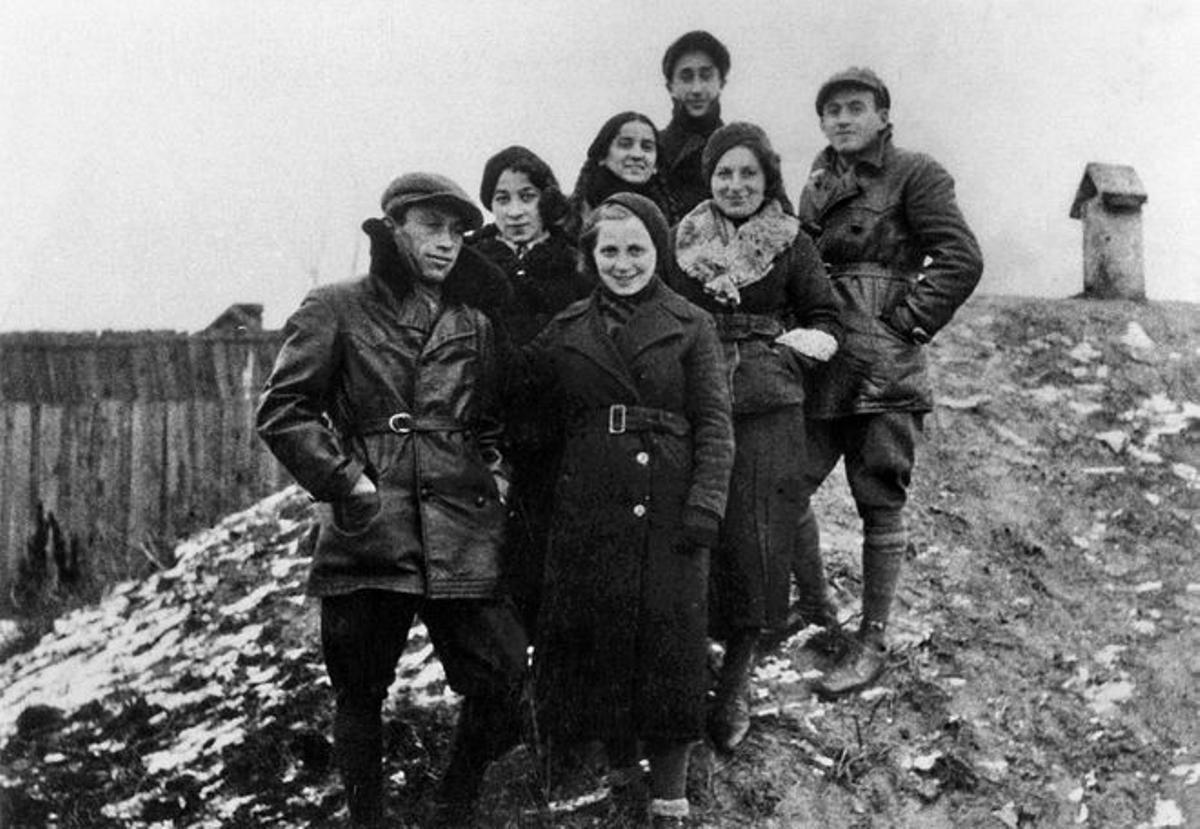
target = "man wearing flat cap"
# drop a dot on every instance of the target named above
(902, 260)
(382, 405)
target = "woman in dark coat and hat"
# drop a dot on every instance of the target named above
(741, 256)
(621, 647)
(622, 158)
(527, 241)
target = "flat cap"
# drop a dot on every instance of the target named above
(431, 188)
(856, 77)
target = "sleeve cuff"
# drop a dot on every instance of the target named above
(701, 527)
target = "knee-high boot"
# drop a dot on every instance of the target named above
(816, 606)
(883, 557)
(358, 750)
(730, 717)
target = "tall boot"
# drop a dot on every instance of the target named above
(358, 751)
(487, 727)
(883, 556)
(815, 604)
(730, 717)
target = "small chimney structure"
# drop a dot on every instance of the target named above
(1109, 202)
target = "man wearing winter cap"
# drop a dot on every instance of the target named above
(696, 67)
(381, 405)
(902, 260)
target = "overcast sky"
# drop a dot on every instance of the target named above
(161, 161)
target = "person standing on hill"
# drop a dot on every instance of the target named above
(741, 256)
(527, 241)
(382, 405)
(696, 67)
(902, 260)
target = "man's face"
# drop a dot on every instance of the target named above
(696, 83)
(431, 237)
(851, 121)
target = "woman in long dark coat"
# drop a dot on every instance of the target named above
(742, 256)
(528, 243)
(621, 647)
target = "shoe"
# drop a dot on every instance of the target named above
(856, 670)
(667, 822)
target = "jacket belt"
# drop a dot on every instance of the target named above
(618, 419)
(747, 326)
(881, 269)
(403, 423)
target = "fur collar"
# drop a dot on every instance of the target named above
(725, 258)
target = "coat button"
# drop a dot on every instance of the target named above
(642, 458)
(426, 490)
(480, 500)
(639, 510)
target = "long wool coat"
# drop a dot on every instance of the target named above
(621, 641)
(357, 352)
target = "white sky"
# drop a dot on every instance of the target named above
(161, 161)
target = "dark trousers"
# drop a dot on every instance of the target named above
(480, 643)
(878, 451)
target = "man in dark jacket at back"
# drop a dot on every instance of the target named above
(696, 67)
(382, 405)
(902, 260)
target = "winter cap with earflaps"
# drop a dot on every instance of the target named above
(697, 41)
(856, 77)
(430, 188)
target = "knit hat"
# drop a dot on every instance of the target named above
(752, 137)
(598, 149)
(650, 216)
(430, 188)
(856, 77)
(697, 41)
(521, 159)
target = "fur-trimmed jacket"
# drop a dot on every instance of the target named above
(371, 379)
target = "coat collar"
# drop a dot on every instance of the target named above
(654, 321)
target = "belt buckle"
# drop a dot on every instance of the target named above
(400, 423)
(616, 419)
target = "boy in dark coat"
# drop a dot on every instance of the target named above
(695, 67)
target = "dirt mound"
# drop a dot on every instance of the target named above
(1045, 671)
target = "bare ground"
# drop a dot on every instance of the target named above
(1045, 669)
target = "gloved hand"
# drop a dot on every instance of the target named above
(810, 342)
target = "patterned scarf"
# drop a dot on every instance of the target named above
(725, 257)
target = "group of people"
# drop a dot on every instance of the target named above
(594, 426)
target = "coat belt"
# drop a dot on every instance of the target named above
(618, 419)
(403, 423)
(747, 326)
(880, 269)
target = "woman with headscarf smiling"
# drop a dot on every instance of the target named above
(621, 650)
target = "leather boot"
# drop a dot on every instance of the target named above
(860, 667)
(486, 729)
(730, 717)
(358, 750)
(814, 605)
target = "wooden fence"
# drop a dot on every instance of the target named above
(128, 439)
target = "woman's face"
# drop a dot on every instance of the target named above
(515, 206)
(624, 254)
(633, 152)
(738, 183)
